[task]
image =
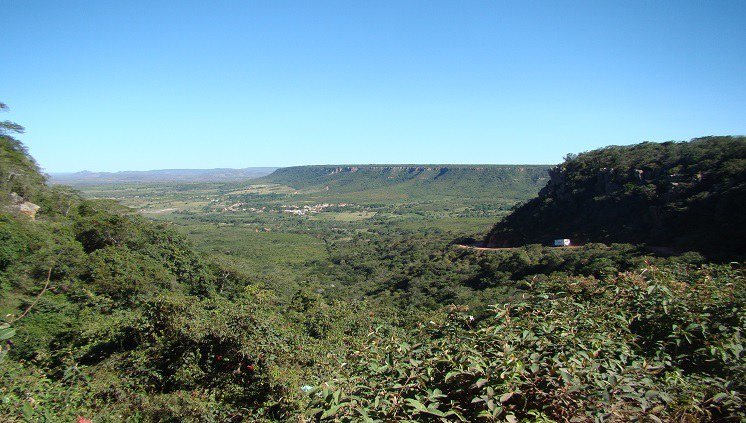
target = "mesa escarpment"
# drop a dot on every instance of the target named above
(518, 182)
(686, 195)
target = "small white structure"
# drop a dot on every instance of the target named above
(564, 242)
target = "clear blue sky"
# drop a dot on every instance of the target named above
(123, 85)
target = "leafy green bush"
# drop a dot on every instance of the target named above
(658, 342)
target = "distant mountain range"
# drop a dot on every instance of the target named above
(164, 175)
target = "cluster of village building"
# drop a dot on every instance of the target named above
(290, 209)
(304, 210)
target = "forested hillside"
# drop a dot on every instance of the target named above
(108, 316)
(678, 195)
(111, 317)
(417, 180)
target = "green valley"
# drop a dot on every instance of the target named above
(374, 212)
(353, 293)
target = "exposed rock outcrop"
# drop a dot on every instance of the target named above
(19, 205)
(685, 195)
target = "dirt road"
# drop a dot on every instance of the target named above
(472, 247)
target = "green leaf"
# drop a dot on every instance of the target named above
(416, 404)
(451, 374)
(364, 414)
(719, 397)
(330, 412)
(422, 409)
(28, 411)
(7, 333)
(434, 411)
(481, 382)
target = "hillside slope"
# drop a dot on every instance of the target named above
(506, 181)
(107, 316)
(683, 195)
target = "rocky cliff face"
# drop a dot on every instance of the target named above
(685, 195)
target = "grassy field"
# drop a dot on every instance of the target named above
(344, 216)
(279, 260)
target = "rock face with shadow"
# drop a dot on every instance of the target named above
(683, 195)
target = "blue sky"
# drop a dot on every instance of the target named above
(107, 85)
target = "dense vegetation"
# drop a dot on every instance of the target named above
(656, 344)
(366, 312)
(113, 317)
(680, 195)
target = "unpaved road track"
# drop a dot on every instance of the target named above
(471, 247)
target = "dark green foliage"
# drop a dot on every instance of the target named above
(14, 241)
(574, 349)
(240, 352)
(97, 228)
(122, 274)
(680, 195)
(19, 173)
